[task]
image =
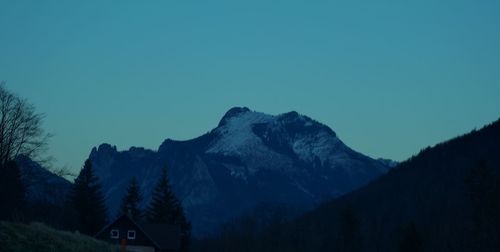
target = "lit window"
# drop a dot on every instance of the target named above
(131, 235)
(115, 234)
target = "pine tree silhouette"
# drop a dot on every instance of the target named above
(132, 200)
(87, 201)
(163, 202)
(166, 208)
(12, 191)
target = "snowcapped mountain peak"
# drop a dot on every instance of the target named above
(233, 112)
(235, 131)
(242, 131)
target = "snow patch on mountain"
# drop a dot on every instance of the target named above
(236, 134)
(321, 145)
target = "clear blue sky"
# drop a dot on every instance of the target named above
(389, 77)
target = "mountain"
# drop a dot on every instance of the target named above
(249, 158)
(446, 198)
(42, 186)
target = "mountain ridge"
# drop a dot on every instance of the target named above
(250, 157)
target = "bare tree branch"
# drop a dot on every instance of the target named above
(21, 130)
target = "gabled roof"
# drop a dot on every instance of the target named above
(163, 236)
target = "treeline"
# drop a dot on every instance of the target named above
(345, 230)
(19, 199)
(20, 134)
(249, 232)
(88, 214)
(85, 210)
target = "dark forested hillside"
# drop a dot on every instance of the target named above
(447, 198)
(30, 192)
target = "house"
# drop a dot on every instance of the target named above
(141, 237)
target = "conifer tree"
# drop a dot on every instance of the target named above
(132, 200)
(12, 191)
(163, 202)
(185, 226)
(166, 208)
(87, 201)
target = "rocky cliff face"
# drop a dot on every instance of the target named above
(249, 158)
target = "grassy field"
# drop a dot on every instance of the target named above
(38, 237)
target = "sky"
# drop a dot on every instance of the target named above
(389, 77)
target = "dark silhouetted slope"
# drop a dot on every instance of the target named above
(424, 204)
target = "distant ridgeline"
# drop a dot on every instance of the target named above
(447, 198)
(45, 194)
(250, 158)
(42, 185)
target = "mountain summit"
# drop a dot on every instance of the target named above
(248, 159)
